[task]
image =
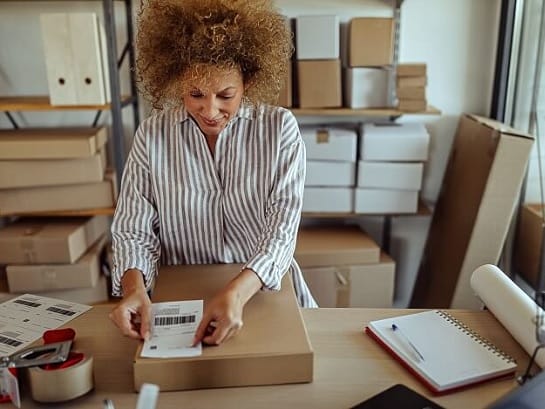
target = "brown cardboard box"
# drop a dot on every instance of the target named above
(411, 70)
(335, 246)
(63, 240)
(411, 93)
(49, 172)
(285, 98)
(412, 105)
(528, 243)
(319, 83)
(48, 277)
(89, 295)
(58, 198)
(362, 285)
(51, 143)
(272, 347)
(403, 82)
(473, 212)
(370, 42)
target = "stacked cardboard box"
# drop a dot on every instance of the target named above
(344, 267)
(318, 61)
(411, 87)
(370, 55)
(391, 167)
(331, 169)
(59, 258)
(54, 169)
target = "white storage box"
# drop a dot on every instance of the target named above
(366, 87)
(381, 201)
(328, 173)
(390, 175)
(317, 37)
(328, 199)
(394, 142)
(334, 144)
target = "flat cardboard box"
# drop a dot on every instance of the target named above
(366, 87)
(331, 143)
(371, 41)
(528, 243)
(403, 82)
(285, 99)
(88, 295)
(394, 142)
(335, 246)
(317, 37)
(272, 347)
(473, 212)
(330, 173)
(390, 175)
(411, 70)
(59, 198)
(319, 83)
(50, 277)
(354, 286)
(412, 105)
(385, 201)
(50, 172)
(51, 240)
(410, 93)
(51, 143)
(328, 199)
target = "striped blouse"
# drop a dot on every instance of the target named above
(178, 204)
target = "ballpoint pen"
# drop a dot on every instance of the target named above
(395, 328)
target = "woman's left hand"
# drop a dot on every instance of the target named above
(222, 317)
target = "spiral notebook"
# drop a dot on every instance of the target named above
(440, 351)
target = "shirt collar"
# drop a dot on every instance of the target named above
(245, 110)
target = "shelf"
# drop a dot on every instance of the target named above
(41, 103)
(349, 112)
(106, 211)
(423, 210)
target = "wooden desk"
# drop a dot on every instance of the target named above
(348, 368)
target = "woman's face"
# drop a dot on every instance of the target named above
(213, 105)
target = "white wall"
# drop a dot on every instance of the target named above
(457, 40)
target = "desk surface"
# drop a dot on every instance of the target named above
(348, 366)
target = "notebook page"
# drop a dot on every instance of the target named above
(452, 357)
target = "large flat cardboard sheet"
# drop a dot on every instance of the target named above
(272, 348)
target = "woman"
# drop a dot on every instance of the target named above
(215, 176)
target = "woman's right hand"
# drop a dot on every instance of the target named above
(132, 314)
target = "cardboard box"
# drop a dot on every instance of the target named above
(48, 277)
(384, 201)
(366, 87)
(319, 83)
(317, 37)
(49, 172)
(412, 105)
(403, 82)
(527, 253)
(285, 99)
(329, 173)
(59, 198)
(328, 199)
(473, 212)
(394, 142)
(333, 144)
(410, 93)
(335, 246)
(390, 175)
(354, 286)
(51, 143)
(411, 70)
(52, 240)
(89, 295)
(371, 41)
(272, 347)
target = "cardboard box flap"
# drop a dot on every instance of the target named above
(498, 126)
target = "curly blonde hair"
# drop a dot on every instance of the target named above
(180, 42)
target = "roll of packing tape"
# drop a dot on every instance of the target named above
(59, 385)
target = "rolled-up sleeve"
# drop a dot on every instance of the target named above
(135, 224)
(276, 243)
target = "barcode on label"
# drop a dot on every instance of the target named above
(60, 311)
(176, 320)
(28, 303)
(9, 341)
